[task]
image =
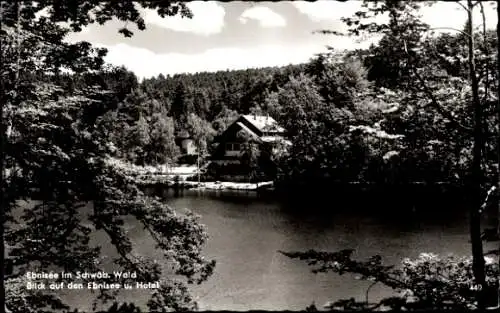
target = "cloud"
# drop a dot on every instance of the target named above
(208, 19)
(144, 63)
(327, 10)
(333, 11)
(265, 16)
(210, 60)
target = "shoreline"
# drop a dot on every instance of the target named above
(214, 185)
(182, 177)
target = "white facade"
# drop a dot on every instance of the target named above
(188, 146)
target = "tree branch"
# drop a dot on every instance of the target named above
(478, 2)
(463, 6)
(119, 248)
(126, 256)
(451, 28)
(487, 198)
(498, 136)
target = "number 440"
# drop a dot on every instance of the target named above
(476, 287)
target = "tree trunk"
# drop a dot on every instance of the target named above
(498, 141)
(478, 263)
(2, 195)
(3, 139)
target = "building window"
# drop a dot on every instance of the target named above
(233, 147)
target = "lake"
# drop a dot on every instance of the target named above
(246, 233)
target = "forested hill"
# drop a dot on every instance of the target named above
(208, 94)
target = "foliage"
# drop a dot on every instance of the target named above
(56, 160)
(333, 137)
(81, 14)
(162, 148)
(428, 282)
(431, 75)
(201, 131)
(250, 154)
(224, 119)
(140, 130)
(114, 194)
(451, 107)
(139, 140)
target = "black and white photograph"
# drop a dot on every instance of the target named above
(163, 156)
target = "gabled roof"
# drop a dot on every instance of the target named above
(273, 139)
(248, 130)
(264, 123)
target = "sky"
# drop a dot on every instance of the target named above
(240, 34)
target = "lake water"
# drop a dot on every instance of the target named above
(246, 233)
